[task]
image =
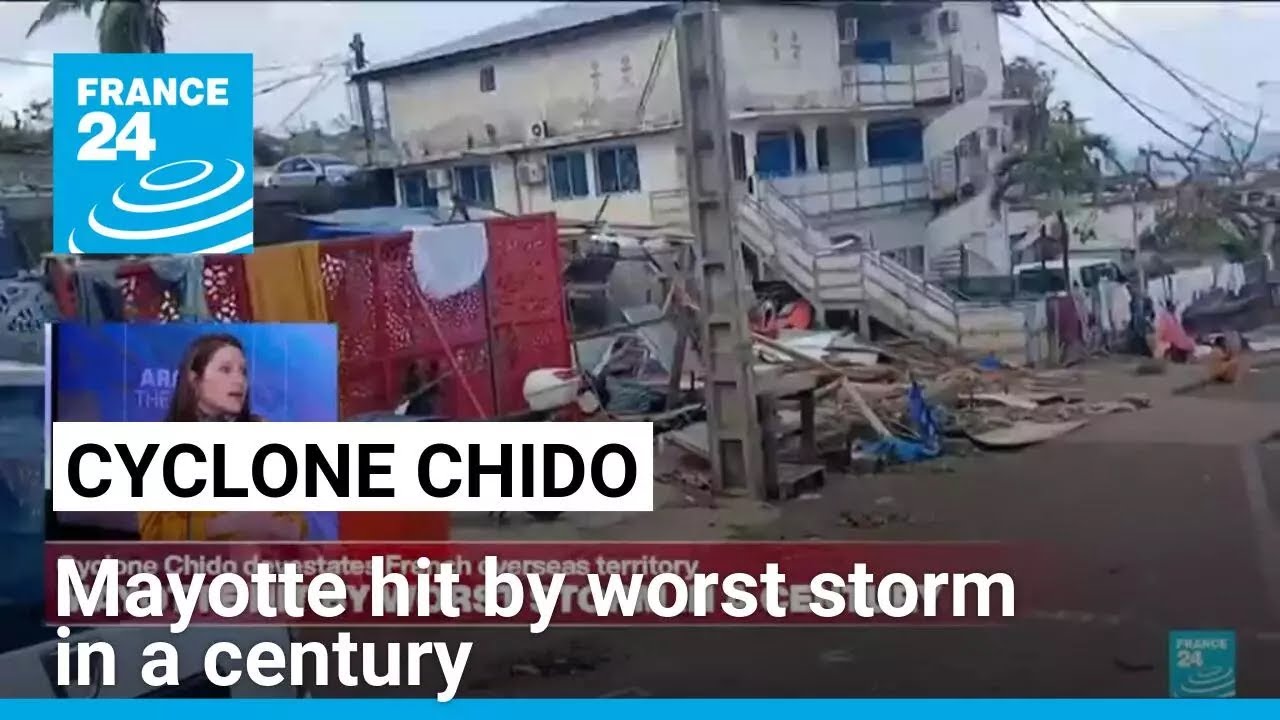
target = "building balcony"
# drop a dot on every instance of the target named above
(825, 193)
(864, 84)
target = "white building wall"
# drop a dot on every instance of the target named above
(777, 58)
(1112, 225)
(977, 42)
(659, 170)
(581, 86)
(781, 57)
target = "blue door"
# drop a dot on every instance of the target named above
(773, 155)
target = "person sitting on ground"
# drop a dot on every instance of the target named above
(1224, 363)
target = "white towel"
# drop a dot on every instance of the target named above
(448, 259)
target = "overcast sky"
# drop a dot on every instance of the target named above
(1231, 47)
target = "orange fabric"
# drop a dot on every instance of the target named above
(1223, 367)
(179, 526)
(285, 283)
(393, 526)
(801, 315)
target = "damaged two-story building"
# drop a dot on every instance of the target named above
(876, 120)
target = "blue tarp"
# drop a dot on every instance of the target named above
(357, 222)
(923, 423)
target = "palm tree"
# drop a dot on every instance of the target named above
(1054, 172)
(124, 26)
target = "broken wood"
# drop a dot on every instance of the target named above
(1024, 433)
(844, 384)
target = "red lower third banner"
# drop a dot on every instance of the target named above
(563, 583)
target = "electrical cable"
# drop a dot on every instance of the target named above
(329, 61)
(1081, 67)
(1209, 104)
(1127, 48)
(311, 95)
(278, 84)
(24, 63)
(1120, 93)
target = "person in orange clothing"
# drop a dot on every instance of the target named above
(1224, 363)
(213, 386)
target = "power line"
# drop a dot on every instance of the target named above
(1102, 76)
(1081, 67)
(24, 62)
(311, 95)
(1128, 48)
(1209, 104)
(325, 62)
(277, 84)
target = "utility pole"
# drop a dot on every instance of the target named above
(366, 108)
(1137, 239)
(733, 422)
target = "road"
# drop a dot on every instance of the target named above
(1164, 519)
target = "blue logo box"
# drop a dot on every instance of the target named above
(1202, 664)
(153, 153)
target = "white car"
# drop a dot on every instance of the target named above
(311, 170)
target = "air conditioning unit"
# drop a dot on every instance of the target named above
(439, 178)
(539, 131)
(849, 32)
(948, 22)
(532, 173)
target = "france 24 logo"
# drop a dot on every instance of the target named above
(153, 154)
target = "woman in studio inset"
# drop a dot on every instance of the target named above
(213, 386)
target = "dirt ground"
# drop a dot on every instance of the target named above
(1168, 518)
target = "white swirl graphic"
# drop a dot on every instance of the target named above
(206, 171)
(174, 230)
(1211, 682)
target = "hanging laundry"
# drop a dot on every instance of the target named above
(186, 274)
(1172, 341)
(448, 259)
(1100, 296)
(98, 296)
(1120, 305)
(13, 255)
(285, 283)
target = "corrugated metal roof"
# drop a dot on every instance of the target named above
(550, 21)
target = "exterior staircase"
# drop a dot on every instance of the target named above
(835, 277)
(960, 168)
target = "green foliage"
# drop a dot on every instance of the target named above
(124, 26)
(29, 130)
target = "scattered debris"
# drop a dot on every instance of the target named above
(1024, 433)
(1140, 401)
(575, 661)
(1132, 666)
(901, 402)
(874, 520)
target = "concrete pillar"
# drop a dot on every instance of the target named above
(749, 143)
(810, 130)
(860, 134)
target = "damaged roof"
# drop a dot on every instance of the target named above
(550, 25)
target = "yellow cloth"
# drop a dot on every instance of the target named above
(179, 526)
(285, 283)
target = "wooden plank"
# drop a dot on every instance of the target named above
(1022, 434)
(797, 478)
(692, 438)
